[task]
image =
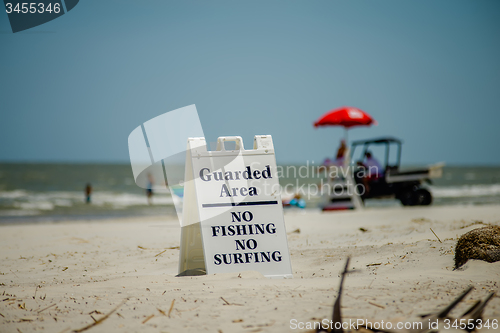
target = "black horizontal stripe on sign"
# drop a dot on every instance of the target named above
(251, 203)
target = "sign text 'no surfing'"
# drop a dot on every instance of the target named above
(232, 212)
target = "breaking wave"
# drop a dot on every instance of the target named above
(465, 191)
(21, 202)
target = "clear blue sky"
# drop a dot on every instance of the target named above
(428, 71)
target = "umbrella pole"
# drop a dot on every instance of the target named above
(346, 136)
(351, 183)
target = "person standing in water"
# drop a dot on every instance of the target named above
(88, 192)
(149, 189)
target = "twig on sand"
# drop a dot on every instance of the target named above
(166, 248)
(227, 303)
(36, 288)
(46, 308)
(336, 316)
(100, 320)
(374, 264)
(146, 320)
(160, 253)
(171, 308)
(377, 305)
(435, 235)
(14, 273)
(2, 315)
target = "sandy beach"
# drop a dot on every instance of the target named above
(61, 277)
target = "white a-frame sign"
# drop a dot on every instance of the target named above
(232, 211)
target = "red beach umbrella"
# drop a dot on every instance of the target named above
(345, 116)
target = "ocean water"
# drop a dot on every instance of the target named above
(50, 192)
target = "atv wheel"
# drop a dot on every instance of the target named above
(408, 198)
(424, 197)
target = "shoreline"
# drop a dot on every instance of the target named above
(87, 268)
(374, 205)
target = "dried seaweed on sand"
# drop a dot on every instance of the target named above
(481, 244)
(100, 320)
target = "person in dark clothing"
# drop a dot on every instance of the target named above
(149, 190)
(88, 192)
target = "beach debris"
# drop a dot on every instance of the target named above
(160, 253)
(474, 313)
(336, 316)
(374, 264)
(260, 325)
(146, 320)
(363, 229)
(100, 320)
(420, 220)
(296, 231)
(432, 317)
(227, 303)
(436, 235)
(45, 308)
(474, 222)
(481, 244)
(36, 288)
(79, 240)
(171, 308)
(377, 305)
(165, 248)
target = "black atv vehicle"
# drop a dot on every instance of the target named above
(405, 186)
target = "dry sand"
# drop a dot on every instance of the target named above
(60, 277)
